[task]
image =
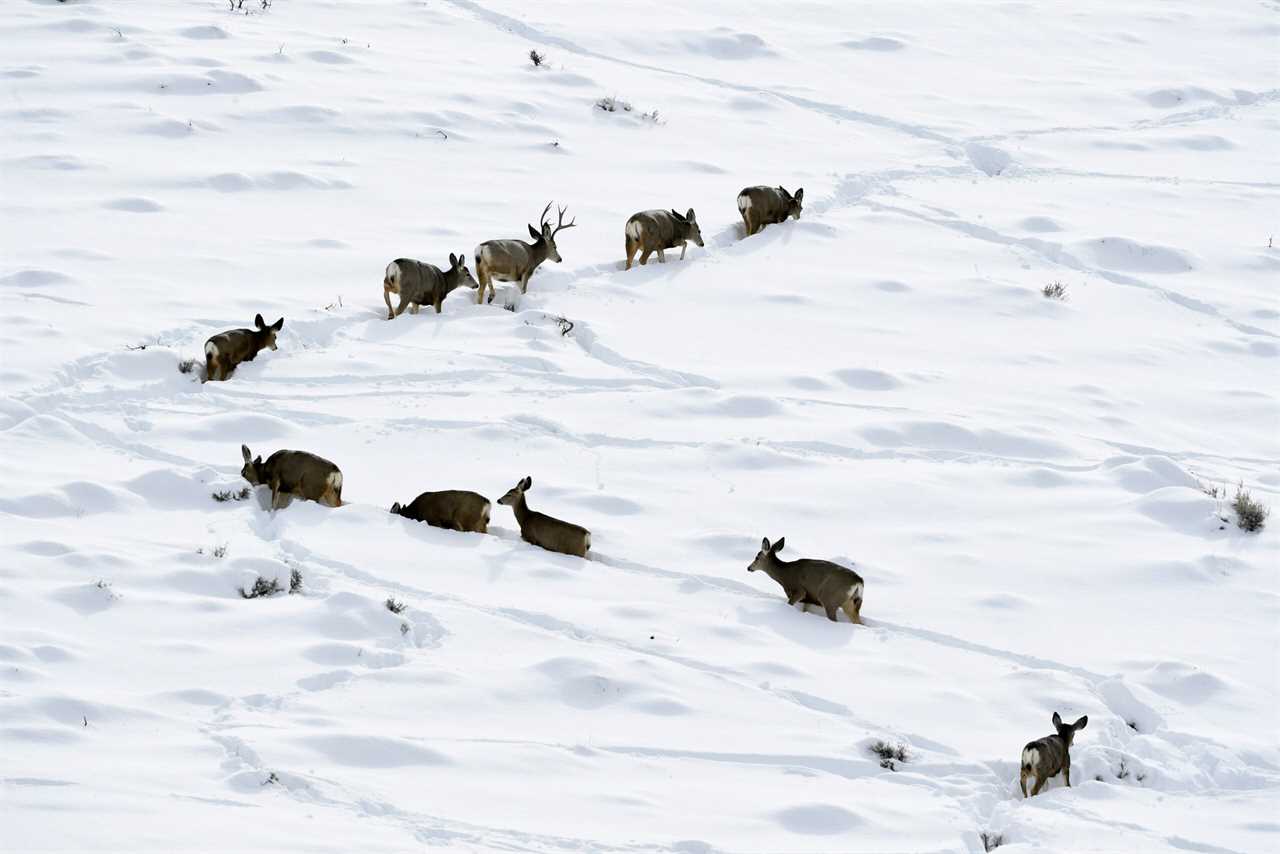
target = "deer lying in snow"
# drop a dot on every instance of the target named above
(227, 349)
(1045, 757)
(515, 260)
(812, 582)
(761, 206)
(420, 284)
(654, 231)
(455, 509)
(542, 530)
(294, 473)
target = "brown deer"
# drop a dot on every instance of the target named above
(515, 260)
(420, 284)
(653, 231)
(291, 473)
(455, 509)
(812, 582)
(761, 206)
(1045, 757)
(224, 351)
(542, 530)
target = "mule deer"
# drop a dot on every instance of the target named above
(224, 351)
(542, 530)
(812, 582)
(762, 205)
(420, 284)
(515, 260)
(1045, 757)
(654, 231)
(294, 473)
(455, 509)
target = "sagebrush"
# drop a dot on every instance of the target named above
(1251, 515)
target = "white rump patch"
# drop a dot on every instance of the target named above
(211, 349)
(744, 202)
(855, 592)
(1031, 758)
(335, 480)
(633, 230)
(393, 274)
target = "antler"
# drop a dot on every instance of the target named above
(542, 217)
(560, 226)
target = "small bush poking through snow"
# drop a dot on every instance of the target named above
(991, 841)
(890, 754)
(186, 366)
(1250, 515)
(261, 587)
(1054, 290)
(536, 58)
(611, 104)
(220, 551)
(295, 581)
(395, 606)
(231, 494)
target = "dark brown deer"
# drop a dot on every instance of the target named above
(515, 260)
(653, 231)
(294, 473)
(761, 206)
(455, 509)
(542, 530)
(420, 284)
(1046, 757)
(224, 351)
(812, 582)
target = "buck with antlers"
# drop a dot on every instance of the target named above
(515, 260)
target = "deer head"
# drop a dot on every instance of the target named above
(546, 234)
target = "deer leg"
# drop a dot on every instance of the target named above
(437, 302)
(831, 612)
(644, 256)
(1022, 782)
(1066, 773)
(662, 256)
(524, 282)
(631, 252)
(275, 493)
(404, 303)
(853, 608)
(386, 297)
(483, 275)
(413, 308)
(684, 247)
(1040, 781)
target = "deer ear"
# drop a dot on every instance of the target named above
(1082, 723)
(534, 233)
(799, 196)
(278, 325)
(777, 547)
(784, 191)
(248, 457)
(525, 484)
(1057, 719)
(453, 260)
(764, 545)
(395, 508)
(691, 216)
(258, 322)
(675, 213)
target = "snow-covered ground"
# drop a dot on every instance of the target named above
(1020, 480)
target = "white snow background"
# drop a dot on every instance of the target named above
(1020, 480)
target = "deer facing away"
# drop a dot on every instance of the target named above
(812, 582)
(420, 284)
(542, 530)
(224, 351)
(656, 230)
(455, 509)
(1045, 757)
(515, 260)
(761, 206)
(294, 473)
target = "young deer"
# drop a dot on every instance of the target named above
(650, 231)
(420, 284)
(1045, 757)
(455, 509)
(543, 530)
(515, 260)
(812, 582)
(761, 206)
(294, 473)
(227, 349)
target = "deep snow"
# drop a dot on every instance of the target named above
(1021, 481)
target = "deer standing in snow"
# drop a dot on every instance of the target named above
(420, 284)
(762, 205)
(654, 231)
(812, 582)
(515, 260)
(294, 473)
(224, 351)
(1046, 757)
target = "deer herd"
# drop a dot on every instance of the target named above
(300, 474)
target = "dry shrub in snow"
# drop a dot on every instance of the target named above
(395, 606)
(1054, 290)
(890, 754)
(261, 587)
(1250, 515)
